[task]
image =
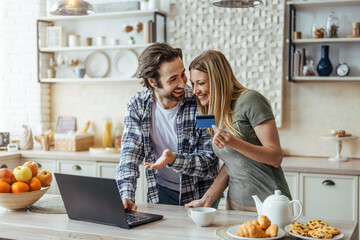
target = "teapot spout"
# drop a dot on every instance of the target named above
(258, 204)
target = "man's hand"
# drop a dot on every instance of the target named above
(197, 203)
(166, 158)
(129, 205)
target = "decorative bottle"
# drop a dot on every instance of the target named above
(107, 133)
(324, 67)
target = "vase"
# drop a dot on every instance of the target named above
(324, 67)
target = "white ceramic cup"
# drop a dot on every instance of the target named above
(101, 41)
(202, 216)
(114, 41)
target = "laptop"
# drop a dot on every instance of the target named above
(97, 200)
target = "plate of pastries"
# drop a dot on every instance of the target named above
(259, 228)
(314, 229)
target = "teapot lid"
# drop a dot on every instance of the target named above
(277, 197)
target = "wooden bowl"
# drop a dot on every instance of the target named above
(15, 201)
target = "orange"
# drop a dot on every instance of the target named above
(4, 187)
(19, 187)
(34, 184)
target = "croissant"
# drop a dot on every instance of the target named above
(250, 230)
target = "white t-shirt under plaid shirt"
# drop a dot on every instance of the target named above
(195, 160)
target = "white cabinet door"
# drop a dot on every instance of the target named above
(107, 170)
(84, 168)
(10, 164)
(292, 179)
(45, 164)
(329, 196)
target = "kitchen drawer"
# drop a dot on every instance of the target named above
(10, 164)
(329, 196)
(77, 167)
(106, 170)
(49, 165)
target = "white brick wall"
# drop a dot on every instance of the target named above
(23, 99)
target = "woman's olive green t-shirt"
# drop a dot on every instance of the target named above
(248, 177)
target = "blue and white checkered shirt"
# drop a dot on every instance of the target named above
(195, 160)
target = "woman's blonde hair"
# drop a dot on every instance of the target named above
(224, 88)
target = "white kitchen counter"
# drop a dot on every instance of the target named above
(289, 164)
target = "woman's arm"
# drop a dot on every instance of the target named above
(269, 153)
(216, 189)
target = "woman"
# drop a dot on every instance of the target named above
(245, 138)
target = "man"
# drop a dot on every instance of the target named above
(159, 120)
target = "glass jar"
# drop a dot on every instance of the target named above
(118, 136)
(107, 133)
(309, 69)
(317, 31)
(332, 26)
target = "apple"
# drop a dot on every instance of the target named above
(33, 167)
(6, 175)
(45, 178)
(22, 174)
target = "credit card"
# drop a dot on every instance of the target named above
(205, 121)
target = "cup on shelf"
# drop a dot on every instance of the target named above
(79, 72)
(356, 28)
(114, 41)
(88, 41)
(101, 41)
(74, 40)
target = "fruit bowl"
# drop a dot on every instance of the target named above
(15, 201)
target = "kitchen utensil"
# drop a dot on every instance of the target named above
(278, 209)
(202, 216)
(79, 72)
(97, 64)
(338, 157)
(126, 63)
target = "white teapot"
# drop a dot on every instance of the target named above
(278, 208)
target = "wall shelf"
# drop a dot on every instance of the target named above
(324, 40)
(90, 80)
(137, 13)
(316, 3)
(326, 79)
(91, 48)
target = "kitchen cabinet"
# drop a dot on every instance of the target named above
(292, 179)
(328, 196)
(9, 164)
(84, 168)
(107, 170)
(109, 28)
(302, 15)
(45, 164)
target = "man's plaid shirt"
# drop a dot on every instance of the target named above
(195, 160)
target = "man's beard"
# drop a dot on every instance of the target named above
(170, 96)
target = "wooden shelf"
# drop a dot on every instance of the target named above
(316, 3)
(91, 48)
(103, 15)
(90, 80)
(326, 79)
(325, 40)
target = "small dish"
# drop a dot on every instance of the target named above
(340, 236)
(232, 232)
(126, 63)
(97, 64)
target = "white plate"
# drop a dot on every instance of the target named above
(97, 64)
(340, 236)
(232, 232)
(126, 63)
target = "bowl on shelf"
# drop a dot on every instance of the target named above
(14, 201)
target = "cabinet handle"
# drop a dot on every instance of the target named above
(76, 168)
(328, 182)
(3, 166)
(39, 165)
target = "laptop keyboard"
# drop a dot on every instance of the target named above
(133, 218)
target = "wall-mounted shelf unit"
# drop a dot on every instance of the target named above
(111, 25)
(301, 15)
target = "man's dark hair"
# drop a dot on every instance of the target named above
(151, 59)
